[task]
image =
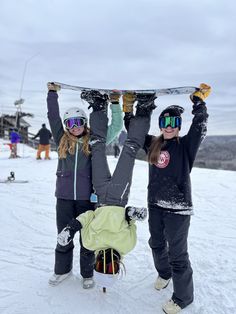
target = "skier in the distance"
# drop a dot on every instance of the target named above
(171, 159)
(74, 182)
(116, 149)
(15, 139)
(44, 142)
(110, 229)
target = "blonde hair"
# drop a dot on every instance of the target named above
(68, 143)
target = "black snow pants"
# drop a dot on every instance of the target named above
(114, 190)
(168, 241)
(67, 210)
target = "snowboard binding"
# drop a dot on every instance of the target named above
(12, 176)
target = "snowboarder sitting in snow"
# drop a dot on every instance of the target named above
(110, 229)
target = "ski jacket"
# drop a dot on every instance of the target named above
(14, 137)
(74, 181)
(169, 179)
(106, 227)
(44, 136)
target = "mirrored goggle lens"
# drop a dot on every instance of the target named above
(110, 268)
(74, 122)
(174, 122)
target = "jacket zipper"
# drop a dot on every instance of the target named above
(75, 170)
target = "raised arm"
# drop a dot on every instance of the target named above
(116, 118)
(53, 113)
(198, 128)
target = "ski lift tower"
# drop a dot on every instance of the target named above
(18, 104)
(20, 101)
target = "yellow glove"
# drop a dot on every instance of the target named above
(53, 87)
(203, 92)
(128, 101)
(114, 96)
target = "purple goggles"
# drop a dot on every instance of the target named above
(74, 122)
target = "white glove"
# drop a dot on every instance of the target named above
(65, 236)
(53, 87)
(137, 213)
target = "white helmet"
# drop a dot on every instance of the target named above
(75, 112)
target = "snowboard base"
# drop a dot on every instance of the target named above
(158, 92)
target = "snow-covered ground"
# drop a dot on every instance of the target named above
(28, 239)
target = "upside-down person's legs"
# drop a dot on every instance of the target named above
(119, 187)
(100, 170)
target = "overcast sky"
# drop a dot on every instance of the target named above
(119, 44)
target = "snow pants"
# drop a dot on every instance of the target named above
(114, 190)
(43, 148)
(67, 210)
(13, 148)
(168, 241)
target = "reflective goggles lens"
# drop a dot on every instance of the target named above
(74, 122)
(107, 264)
(174, 122)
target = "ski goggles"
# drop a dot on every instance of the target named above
(174, 122)
(74, 122)
(107, 262)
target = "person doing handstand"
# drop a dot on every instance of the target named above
(110, 229)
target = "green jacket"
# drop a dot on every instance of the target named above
(106, 227)
(115, 127)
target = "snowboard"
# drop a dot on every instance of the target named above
(13, 181)
(158, 92)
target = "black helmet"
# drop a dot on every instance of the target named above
(173, 110)
(174, 119)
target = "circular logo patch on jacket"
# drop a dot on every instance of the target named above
(163, 160)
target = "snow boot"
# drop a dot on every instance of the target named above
(145, 104)
(161, 283)
(55, 279)
(88, 283)
(171, 307)
(96, 100)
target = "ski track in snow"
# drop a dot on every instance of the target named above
(28, 236)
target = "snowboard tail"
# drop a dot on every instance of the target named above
(158, 92)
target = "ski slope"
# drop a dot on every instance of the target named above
(28, 239)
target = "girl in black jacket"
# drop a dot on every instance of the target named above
(171, 159)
